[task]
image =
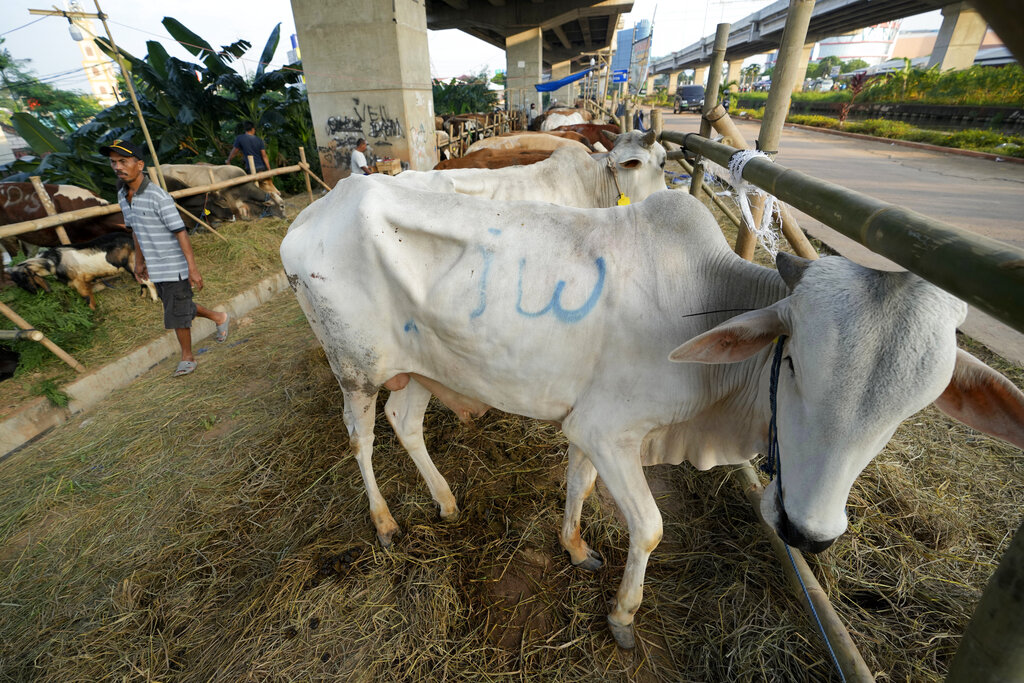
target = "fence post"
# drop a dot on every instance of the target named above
(51, 210)
(992, 648)
(710, 100)
(305, 174)
(785, 76)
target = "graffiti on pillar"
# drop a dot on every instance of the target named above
(365, 120)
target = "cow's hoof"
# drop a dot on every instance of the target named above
(623, 635)
(386, 539)
(592, 563)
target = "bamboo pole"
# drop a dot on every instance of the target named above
(51, 210)
(785, 75)
(305, 175)
(199, 220)
(710, 99)
(992, 649)
(308, 170)
(723, 207)
(19, 335)
(723, 123)
(252, 164)
(983, 272)
(850, 661)
(94, 211)
(127, 73)
(45, 341)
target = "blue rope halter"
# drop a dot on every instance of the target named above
(773, 468)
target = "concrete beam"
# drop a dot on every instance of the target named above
(524, 61)
(673, 82)
(733, 74)
(805, 59)
(384, 92)
(585, 30)
(507, 18)
(963, 29)
(562, 38)
(565, 95)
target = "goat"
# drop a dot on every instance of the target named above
(80, 264)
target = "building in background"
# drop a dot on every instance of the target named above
(99, 68)
(873, 44)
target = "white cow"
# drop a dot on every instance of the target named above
(553, 120)
(570, 315)
(534, 141)
(570, 177)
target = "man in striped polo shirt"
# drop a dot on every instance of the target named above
(163, 252)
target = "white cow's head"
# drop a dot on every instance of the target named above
(865, 350)
(639, 163)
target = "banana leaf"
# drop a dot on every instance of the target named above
(40, 138)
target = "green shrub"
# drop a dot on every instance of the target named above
(882, 128)
(61, 314)
(814, 120)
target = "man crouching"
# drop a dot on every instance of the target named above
(163, 252)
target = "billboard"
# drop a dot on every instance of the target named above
(638, 64)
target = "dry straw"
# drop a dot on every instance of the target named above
(215, 529)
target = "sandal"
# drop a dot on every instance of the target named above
(222, 329)
(185, 367)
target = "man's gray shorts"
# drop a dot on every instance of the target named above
(179, 309)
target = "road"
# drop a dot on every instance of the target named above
(984, 196)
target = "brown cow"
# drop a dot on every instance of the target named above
(495, 158)
(531, 140)
(593, 132)
(19, 202)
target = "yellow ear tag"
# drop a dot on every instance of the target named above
(623, 200)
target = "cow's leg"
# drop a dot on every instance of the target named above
(580, 476)
(360, 412)
(405, 409)
(623, 475)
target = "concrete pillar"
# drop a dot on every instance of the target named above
(805, 59)
(699, 74)
(566, 96)
(523, 59)
(382, 94)
(961, 34)
(673, 82)
(734, 74)
(650, 86)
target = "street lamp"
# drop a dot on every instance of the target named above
(75, 12)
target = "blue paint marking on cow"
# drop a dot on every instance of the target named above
(555, 305)
(494, 231)
(410, 326)
(488, 256)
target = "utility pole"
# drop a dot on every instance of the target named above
(125, 71)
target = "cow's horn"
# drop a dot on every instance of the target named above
(791, 268)
(611, 137)
(649, 138)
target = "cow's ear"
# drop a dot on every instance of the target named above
(983, 399)
(734, 340)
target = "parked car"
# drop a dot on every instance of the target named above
(689, 98)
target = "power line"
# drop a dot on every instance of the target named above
(22, 26)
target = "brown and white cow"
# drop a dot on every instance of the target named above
(19, 202)
(246, 201)
(593, 132)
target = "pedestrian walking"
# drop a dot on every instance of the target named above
(163, 251)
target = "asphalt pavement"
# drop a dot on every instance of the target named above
(980, 195)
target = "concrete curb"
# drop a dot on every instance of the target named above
(40, 415)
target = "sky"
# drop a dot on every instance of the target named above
(46, 42)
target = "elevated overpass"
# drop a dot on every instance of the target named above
(762, 31)
(568, 27)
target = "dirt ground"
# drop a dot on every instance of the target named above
(214, 528)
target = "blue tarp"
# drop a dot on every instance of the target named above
(551, 86)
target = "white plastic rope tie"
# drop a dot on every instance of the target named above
(764, 232)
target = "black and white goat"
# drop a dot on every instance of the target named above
(80, 264)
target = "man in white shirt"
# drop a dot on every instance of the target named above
(358, 163)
